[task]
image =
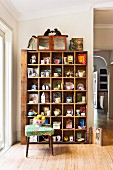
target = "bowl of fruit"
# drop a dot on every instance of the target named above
(39, 120)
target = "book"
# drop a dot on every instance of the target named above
(95, 135)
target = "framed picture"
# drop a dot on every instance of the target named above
(33, 98)
(32, 72)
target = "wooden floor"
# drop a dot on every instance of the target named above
(67, 157)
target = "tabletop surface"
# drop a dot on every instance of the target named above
(31, 130)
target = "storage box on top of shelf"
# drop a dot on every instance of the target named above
(76, 44)
(52, 43)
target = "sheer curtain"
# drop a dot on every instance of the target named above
(2, 118)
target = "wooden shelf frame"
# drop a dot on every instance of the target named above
(25, 91)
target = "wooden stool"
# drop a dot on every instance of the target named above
(32, 130)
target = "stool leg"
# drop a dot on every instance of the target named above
(51, 139)
(49, 142)
(27, 146)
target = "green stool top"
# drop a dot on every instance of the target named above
(31, 130)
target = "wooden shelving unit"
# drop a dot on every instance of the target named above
(61, 81)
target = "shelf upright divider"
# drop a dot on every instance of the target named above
(62, 87)
(39, 86)
(51, 110)
(74, 111)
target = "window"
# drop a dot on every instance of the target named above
(6, 85)
(2, 130)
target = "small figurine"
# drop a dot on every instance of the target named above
(47, 32)
(57, 32)
(33, 59)
(32, 41)
(34, 87)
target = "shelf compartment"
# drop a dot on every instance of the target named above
(56, 110)
(68, 110)
(32, 72)
(81, 96)
(67, 59)
(56, 84)
(68, 97)
(80, 123)
(45, 58)
(81, 57)
(57, 137)
(32, 85)
(80, 110)
(45, 71)
(68, 71)
(68, 123)
(45, 110)
(57, 58)
(33, 98)
(56, 71)
(31, 108)
(44, 84)
(56, 123)
(68, 136)
(43, 139)
(80, 71)
(80, 136)
(68, 84)
(30, 56)
(57, 97)
(44, 97)
(81, 84)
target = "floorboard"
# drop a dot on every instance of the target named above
(67, 156)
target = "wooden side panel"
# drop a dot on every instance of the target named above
(23, 94)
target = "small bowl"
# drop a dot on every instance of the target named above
(30, 113)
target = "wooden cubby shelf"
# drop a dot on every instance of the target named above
(55, 85)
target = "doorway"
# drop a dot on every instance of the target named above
(103, 47)
(100, 83)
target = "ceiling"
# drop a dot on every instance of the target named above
(29, 9)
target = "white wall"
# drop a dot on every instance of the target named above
(74, 25)
(11, 22)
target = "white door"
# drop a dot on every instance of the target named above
(2, 83)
